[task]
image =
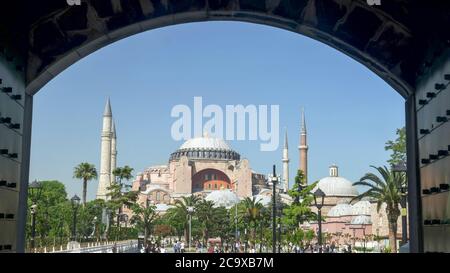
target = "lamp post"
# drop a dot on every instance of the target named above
(35, 193)
(401, 168)
(319, 196)
(75, 201)
(190, 210)
(279, 237)
(236, 221)
(274, 206)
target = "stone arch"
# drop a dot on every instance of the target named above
(69, 33)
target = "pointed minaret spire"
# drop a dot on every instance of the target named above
(303, 127)
(285, 139)
(107, 112)
(303, 148)
(106, 155)
(285, 164)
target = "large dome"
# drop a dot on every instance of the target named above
(206, 143)
(223, 198)
(205, 147)
(335, 185)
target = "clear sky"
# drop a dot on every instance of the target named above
(350, 111)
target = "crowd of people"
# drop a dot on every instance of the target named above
(238, 247)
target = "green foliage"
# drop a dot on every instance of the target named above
(54, 217)
(86, 172)
(123, 173)
(385, 189)
(144, 218)
(300, 210)
(119, 193)
(397, 147)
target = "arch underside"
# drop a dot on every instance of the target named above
(68, 34)
(210, 179)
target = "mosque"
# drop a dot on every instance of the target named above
(209, 167)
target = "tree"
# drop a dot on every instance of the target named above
(86, 172)
(385, 190)
(251, 213)
(144, 218)
(123, 173)
(300, 210)
(180, 211)
(397, 147)
(53, 214)
(119, 193)
(89, 219)
(205, 212)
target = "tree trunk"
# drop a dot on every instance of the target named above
(392, 222)
(145, 236)
(254, 234)
(186, 232)
(84, 191)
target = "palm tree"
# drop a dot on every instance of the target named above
(116, 189)
(86, 172)
(251, 213)
(181, 210)
(123, 173)
(144, 218)
(206, 215)
(385, 190)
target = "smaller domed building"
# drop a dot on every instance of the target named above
(337, 190)
(347, 219)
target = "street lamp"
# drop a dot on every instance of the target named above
(190, 210)
(236, 220)
(35, 189)
(75, 201)
(319, 197)
(401, 168)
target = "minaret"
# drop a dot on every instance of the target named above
(303, 149)
(113, 151)
(105, 157)
(286, 163)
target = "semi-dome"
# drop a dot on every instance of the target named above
(162, 207)
(340, 210)
(361, 220)
(223, 198)
(206, 147)
(362, 207)
(263, 199)
(334, 185)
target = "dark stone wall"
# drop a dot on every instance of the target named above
(384, 38)
(404, 42)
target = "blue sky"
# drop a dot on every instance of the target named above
(350, 111)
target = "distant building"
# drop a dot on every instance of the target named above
(200, 166)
